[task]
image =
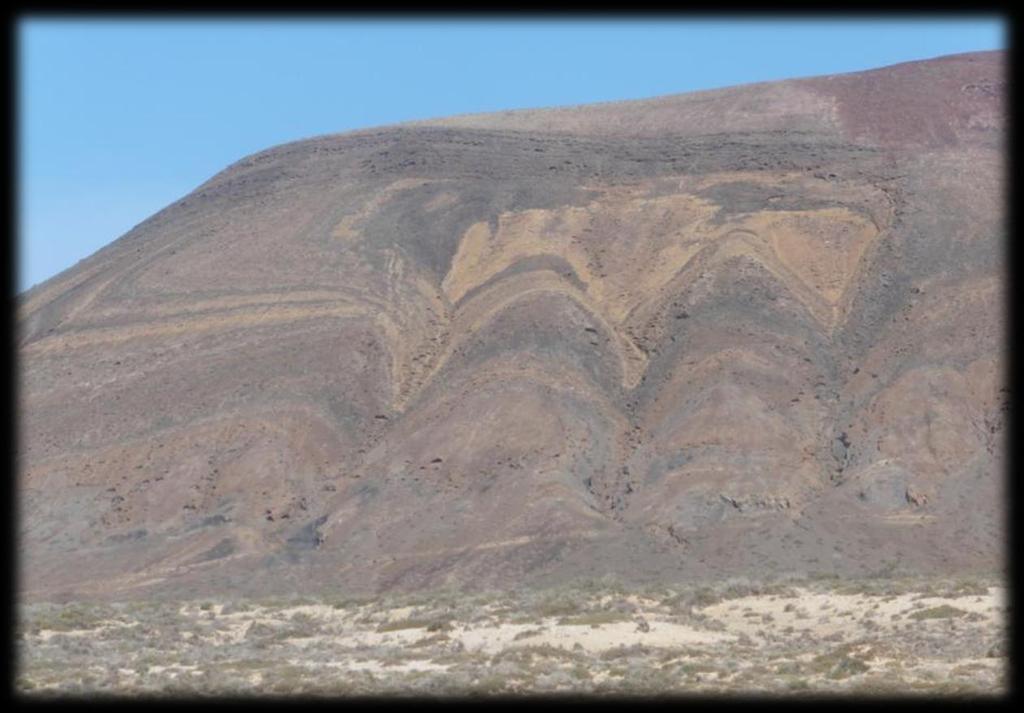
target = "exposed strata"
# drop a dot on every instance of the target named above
(752, 330)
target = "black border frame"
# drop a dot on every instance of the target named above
(740, 10)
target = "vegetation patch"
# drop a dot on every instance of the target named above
(943, 611)
(839, 663)
(594, 619)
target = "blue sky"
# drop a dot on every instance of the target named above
(117, 119)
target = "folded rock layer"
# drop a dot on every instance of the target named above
(749, 331)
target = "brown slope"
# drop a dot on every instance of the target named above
(756, 330)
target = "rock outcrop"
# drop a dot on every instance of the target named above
(748, 331)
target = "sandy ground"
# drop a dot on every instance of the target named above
(791, 639)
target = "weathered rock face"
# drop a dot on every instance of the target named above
(750, 331)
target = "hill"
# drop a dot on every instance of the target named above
(757, 330)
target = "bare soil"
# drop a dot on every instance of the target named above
(882, 636)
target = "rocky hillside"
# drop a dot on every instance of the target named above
(756, 331)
